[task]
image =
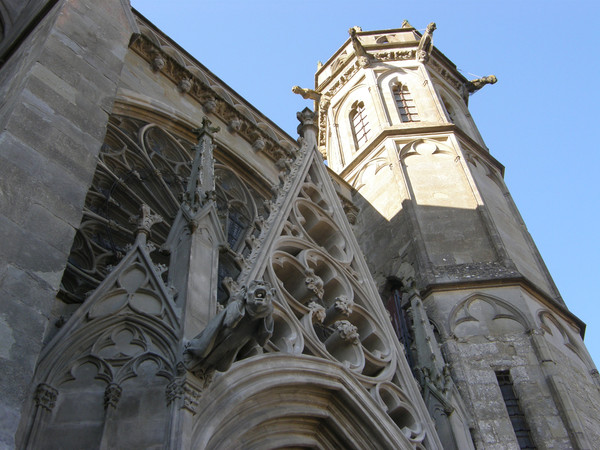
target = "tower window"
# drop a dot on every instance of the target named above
(360, 124)
(400, 322)
(517, 418)
(405, 104)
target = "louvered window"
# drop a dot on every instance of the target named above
(405, 104)
(360, 125)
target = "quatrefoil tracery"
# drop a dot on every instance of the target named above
(312, 271)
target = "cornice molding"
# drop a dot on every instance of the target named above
(520, 282)
(191, 80)
(419, 131)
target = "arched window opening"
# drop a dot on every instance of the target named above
(236, 203)
(360, 124)
(405, 104)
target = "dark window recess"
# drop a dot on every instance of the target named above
(236, 227)
(517, 418)
(400, 322)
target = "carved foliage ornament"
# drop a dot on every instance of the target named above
(45, 396)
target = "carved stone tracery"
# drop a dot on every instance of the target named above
(315, 274)
(141, 163)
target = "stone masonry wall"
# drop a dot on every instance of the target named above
(58, 91)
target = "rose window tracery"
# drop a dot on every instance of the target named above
(141, 163)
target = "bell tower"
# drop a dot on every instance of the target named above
(394, 124)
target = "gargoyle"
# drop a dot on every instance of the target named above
(475, 85)
(245, 322)
(363, 57)
(426, 43)
(307, 93)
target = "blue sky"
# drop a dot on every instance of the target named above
(541, 120)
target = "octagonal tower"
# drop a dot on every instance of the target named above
(394, 123)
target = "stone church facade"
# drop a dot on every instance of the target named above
(178, 272)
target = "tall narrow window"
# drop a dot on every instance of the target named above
(360, 124)
(405, 104)
(400, 322)
(517, 418)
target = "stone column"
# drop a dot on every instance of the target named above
(44, 400)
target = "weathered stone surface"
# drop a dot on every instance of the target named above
(60, 144)
(325, 368)
(28, 181)
(54, 118)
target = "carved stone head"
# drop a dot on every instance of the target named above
(259, 299)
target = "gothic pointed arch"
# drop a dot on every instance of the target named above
(486, 170)
(454, 110)
(561, 337)
(326, 310)
(424, 147)
(398, 88)
(485, 315)
(121, 343)
(321, 407)
(317, 276)
(368, 171)
(354, 115)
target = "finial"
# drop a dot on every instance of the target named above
(145, 221)
(205, 128)
(201, 181)
(406, 24)
(308, 120)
